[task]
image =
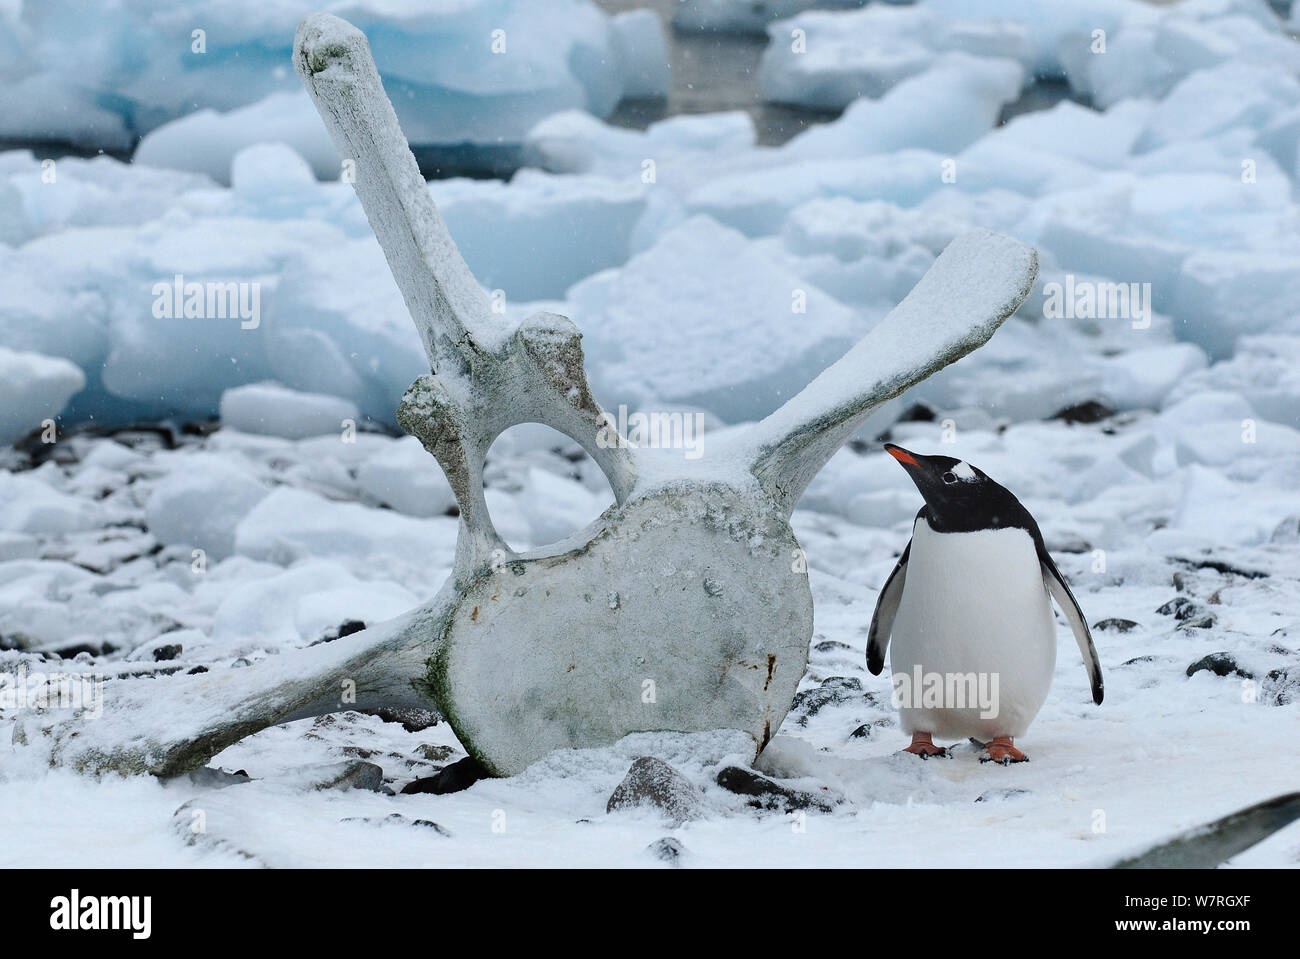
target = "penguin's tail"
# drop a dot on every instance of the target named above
(1214, 843)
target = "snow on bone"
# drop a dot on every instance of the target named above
(726, 514)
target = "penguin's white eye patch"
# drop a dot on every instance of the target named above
(949, 478)
(963, 472)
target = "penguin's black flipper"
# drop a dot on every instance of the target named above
(882, 620)
(1060, 591)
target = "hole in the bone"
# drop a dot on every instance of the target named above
(541, 486)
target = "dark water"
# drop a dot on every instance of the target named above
(712, 72)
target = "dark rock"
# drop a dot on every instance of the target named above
(832, 692)
(1180, 608)
(652, 782)
(412, 718)
(1219, 566)
(449, 779)
(397, 819)
(1138, 659)
(435, 754)
(1204, 622)
(354, 775)
(866, 730)
(1089, 411)
(76, 649)
(667, 850)
(1221, 664)
(430, 824)
(918, 413)
(997, 795)
(196, 670)
(1282, 687)
(216, 778)
(832, 646)
(1115, 625)
(765, 793)
(345, 628)
(162, 654)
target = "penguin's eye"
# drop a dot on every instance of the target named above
(949, 478)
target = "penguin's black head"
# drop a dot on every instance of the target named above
(958, 497)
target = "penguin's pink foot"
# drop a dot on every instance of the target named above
(1000, 749)
(923, 746)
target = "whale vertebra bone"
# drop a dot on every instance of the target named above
(685, 606)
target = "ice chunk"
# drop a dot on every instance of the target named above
(460, 72)
(866, 252)
(1264, 370)
(292, 524)
(404, 476)
(842, 56)
(1142, 378)
(28, 505)
(200, 501)
(556, 506)
(1216, 511)
(642, 50)
(685, 149)
(273, 410)
(296, 607)
(758, 202)
(207, 141)
(1067, 129)
(1221, 295)
(1211, 101)
(732, 332)
(33, 388)
(496, 226)
(944, 109)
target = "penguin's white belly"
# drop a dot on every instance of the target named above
(974, 643)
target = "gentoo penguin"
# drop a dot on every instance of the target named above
(969, 612)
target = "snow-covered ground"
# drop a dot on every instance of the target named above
(1167, 493)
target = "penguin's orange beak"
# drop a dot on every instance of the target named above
(900, 454)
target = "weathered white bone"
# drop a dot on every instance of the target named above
(684, 607)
